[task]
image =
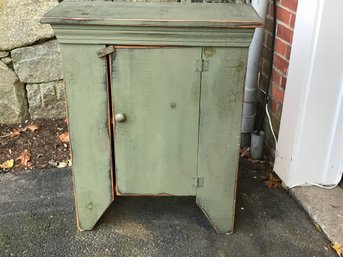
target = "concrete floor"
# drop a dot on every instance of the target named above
(325, 207)
(37, 219)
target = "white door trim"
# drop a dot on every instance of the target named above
(310, 147)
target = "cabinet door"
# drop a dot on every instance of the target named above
(84, 75)
(219, 133)
(158, 91)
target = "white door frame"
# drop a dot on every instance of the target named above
(310, 146)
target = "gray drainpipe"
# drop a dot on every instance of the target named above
(251, 80)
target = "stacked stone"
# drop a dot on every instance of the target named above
(31, 81)
(40, 68)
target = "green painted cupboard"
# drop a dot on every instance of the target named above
(154, 96)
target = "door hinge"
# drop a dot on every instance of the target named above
(105, 51)
(201, 65)
(198, 181)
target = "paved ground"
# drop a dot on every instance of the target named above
(325, 207)
(37, 219)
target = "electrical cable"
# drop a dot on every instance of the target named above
(314, 184)
(270, 75)
(270, 124)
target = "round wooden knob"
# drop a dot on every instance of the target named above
(120, 117)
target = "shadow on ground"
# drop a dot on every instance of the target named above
(37, 219)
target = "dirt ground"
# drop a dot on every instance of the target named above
(41, 140)
(45, 148)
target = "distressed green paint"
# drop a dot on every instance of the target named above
(180, 123)
(195, 24)
(154, 14)
(219, 134)
(189, 36)
(85, 78)
(156, 146)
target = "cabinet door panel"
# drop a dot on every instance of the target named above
(219, 133)
(89, 134)
(157, 89)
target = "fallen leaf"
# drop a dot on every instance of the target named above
(253, 161)
(64, 164)
(32, 127)
(7, 164)
(245, 151)
(272, 181)
(64, 137)
(338, 248)
(318, 228)
(16, 132)
(52, 163)
(25, 158)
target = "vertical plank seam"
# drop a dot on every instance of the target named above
(115, 178)
(109, 120)
(199, 122)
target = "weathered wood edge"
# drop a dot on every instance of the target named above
(152, 23)
(202, 15)
(86, 34)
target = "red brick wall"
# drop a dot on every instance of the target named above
(286, 14)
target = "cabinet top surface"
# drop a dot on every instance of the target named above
(203, 15)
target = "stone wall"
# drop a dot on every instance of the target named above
(31, 80)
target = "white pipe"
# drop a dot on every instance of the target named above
(250, 92)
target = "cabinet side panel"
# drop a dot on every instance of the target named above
(85, 77)
(219, 133)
